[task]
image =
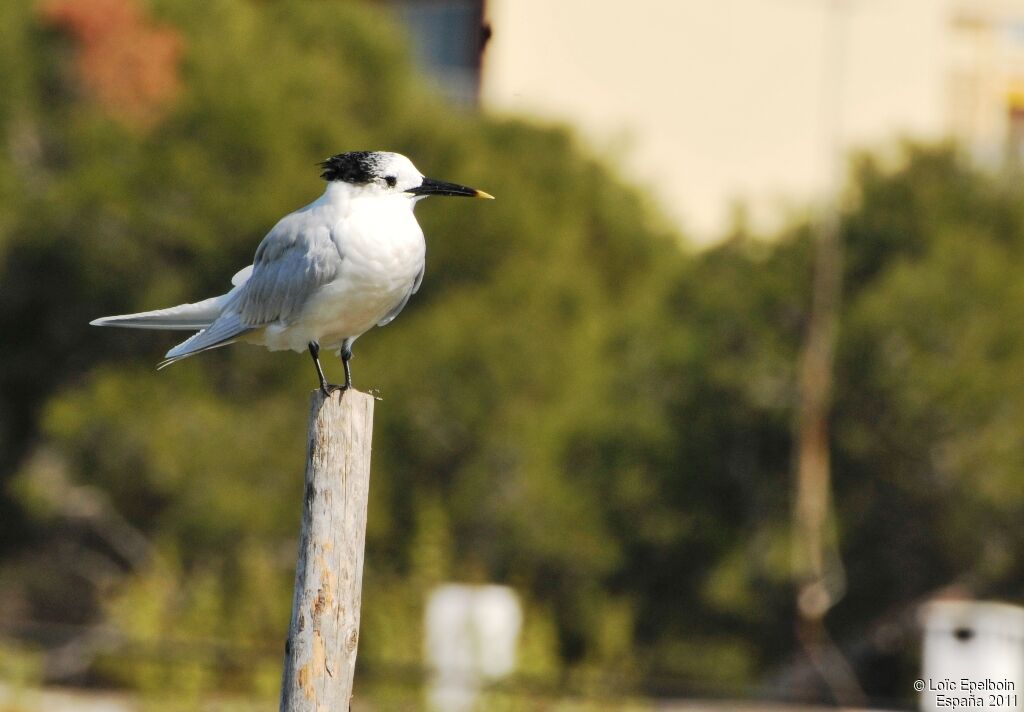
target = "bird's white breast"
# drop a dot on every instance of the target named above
(383, 251)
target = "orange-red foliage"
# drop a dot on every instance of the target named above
(129, 64)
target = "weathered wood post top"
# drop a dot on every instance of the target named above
(323, 637)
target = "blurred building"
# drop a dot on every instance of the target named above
(708, 103)
(986, 99)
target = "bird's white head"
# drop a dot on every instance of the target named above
(384, 173)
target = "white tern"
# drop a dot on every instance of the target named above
(325, 274)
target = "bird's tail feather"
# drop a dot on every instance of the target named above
(226, 330)
(186, 317)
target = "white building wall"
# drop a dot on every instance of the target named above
(710, 102)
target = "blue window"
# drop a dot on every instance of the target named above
(448, 38)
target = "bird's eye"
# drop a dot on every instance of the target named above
(390, 180)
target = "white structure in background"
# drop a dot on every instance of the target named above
(710, 102)
(972, 641)
(471, 637)
(987, 79)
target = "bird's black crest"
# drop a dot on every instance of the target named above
(357, 167)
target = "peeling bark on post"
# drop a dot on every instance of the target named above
(320, 655)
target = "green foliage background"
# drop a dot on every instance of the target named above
(574, 404)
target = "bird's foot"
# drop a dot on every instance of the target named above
(329, 388)
(375, 394)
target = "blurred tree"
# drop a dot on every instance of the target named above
(130, 67)
(932, 462)
(509, 343)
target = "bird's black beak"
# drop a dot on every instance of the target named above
(429, 186)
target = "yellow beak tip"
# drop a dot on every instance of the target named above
(481, 194)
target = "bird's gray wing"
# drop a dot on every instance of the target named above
(225, 330)
(294, 260)
(390, 316)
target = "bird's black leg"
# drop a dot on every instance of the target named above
(346, 356)
(327, 388)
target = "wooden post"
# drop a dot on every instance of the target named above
(320, 655)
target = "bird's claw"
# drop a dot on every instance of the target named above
(329, 388)
(375, 394)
